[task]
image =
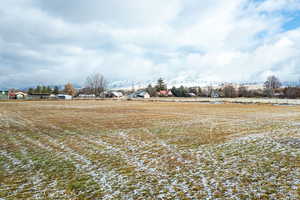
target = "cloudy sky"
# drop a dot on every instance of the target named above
(57, 41)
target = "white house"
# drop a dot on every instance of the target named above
(20, 95)
(140, 94)
(214, 94)
(64, 96)
(116, 94)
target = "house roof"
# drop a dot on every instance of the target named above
(163, 92)
(117, 94)
(142, 93)
(63, 95)
(20, 93)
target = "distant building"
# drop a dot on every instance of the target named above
(20, 95)
(116, 94)
(52, 96)
(140, 94)
(191, 94)
(17, 95)
(165, 93)
(64, 96)
(214, 94)
(4, 95)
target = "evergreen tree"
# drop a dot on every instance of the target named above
(174, 91)
(183, 92)
(56, 90)
(160, 85)
(180, 92)
(38, 89)
(44, 89)
(30, 91)
(49, 89)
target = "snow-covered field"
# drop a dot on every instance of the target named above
(148, 150)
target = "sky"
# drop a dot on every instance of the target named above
(52, 42)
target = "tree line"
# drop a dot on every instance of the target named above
(96, 84)
(272, 88)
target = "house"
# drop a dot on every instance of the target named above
(52, 96)
(20, 95)
(165, 93)
(140, 94)
(143, 94)
(111, 94)
(162, 93)
(191, 94)
(64, 96)
(214, 94)
(4, 95)
(116, 94)
(17, 95)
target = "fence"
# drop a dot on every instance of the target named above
(228, 100)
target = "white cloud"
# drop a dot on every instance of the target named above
(114, 12)
(53, 42)
(279, 5)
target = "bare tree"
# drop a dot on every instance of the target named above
(242, 91)
(229, 91)
(69, 89)
(96, 83)
(291, 92)
(272, 83)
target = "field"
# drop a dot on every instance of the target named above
(148, 150)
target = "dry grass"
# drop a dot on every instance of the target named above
(146, 150)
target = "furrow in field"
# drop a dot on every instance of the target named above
(157, 181)
(33, 171)
(107, 179)
(191, 163)
(188, 167)
(142, 156)
(22, 165)
(141, 183)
